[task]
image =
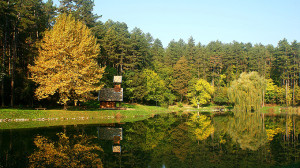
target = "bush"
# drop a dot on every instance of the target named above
(180, 105)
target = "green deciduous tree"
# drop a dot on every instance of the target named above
(155, 86)
(147, 86)
(67, 62)
(221, 96)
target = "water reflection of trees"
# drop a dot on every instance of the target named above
(171, 142)
(65, 152)
(284, 142)
(200, 127)
(248, 131)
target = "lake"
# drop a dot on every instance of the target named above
(170, 140)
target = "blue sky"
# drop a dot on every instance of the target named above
(255, 21)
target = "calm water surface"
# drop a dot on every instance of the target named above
(173, 140)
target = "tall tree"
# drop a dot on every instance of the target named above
(191, 52)
(216, 61)
(201, 60)
(139, 56)
(157, 53)
(23, 25)
(284, 62)
(67, 62)
(7, 12)
(50, 11)
(80, 9)
(295, 67)
(175, 51)
(247, 93)
(115, 46)
(181, 75)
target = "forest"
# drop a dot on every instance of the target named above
(153, 74)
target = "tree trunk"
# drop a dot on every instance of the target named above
(263, 99)
(65, 106)
(263, 118)
(12, 84)
(286, 92)
(3, 62)
(198, 71)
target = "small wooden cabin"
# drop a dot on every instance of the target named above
(109, 97)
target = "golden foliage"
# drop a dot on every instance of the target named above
(272, 132)
(201, 92)
(284, 128)
(66, 63)
(65, 153)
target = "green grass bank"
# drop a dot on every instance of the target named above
(26, 118)
(21, 118)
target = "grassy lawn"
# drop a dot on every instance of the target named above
(19, 118)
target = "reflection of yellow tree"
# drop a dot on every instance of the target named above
(247, 131)
(65, 153)
(281, 127)
(200, 126)
(271, 132)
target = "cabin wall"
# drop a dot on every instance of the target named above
(107, 104)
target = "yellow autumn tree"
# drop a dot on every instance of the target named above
(201, 92)
(66, 63)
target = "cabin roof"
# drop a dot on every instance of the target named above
(108, 133)
(109, 94)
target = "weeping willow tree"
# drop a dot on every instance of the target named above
(247, 92)
(246, 127)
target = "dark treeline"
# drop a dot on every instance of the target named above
(153, 74)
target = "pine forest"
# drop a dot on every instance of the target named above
(31, 32)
